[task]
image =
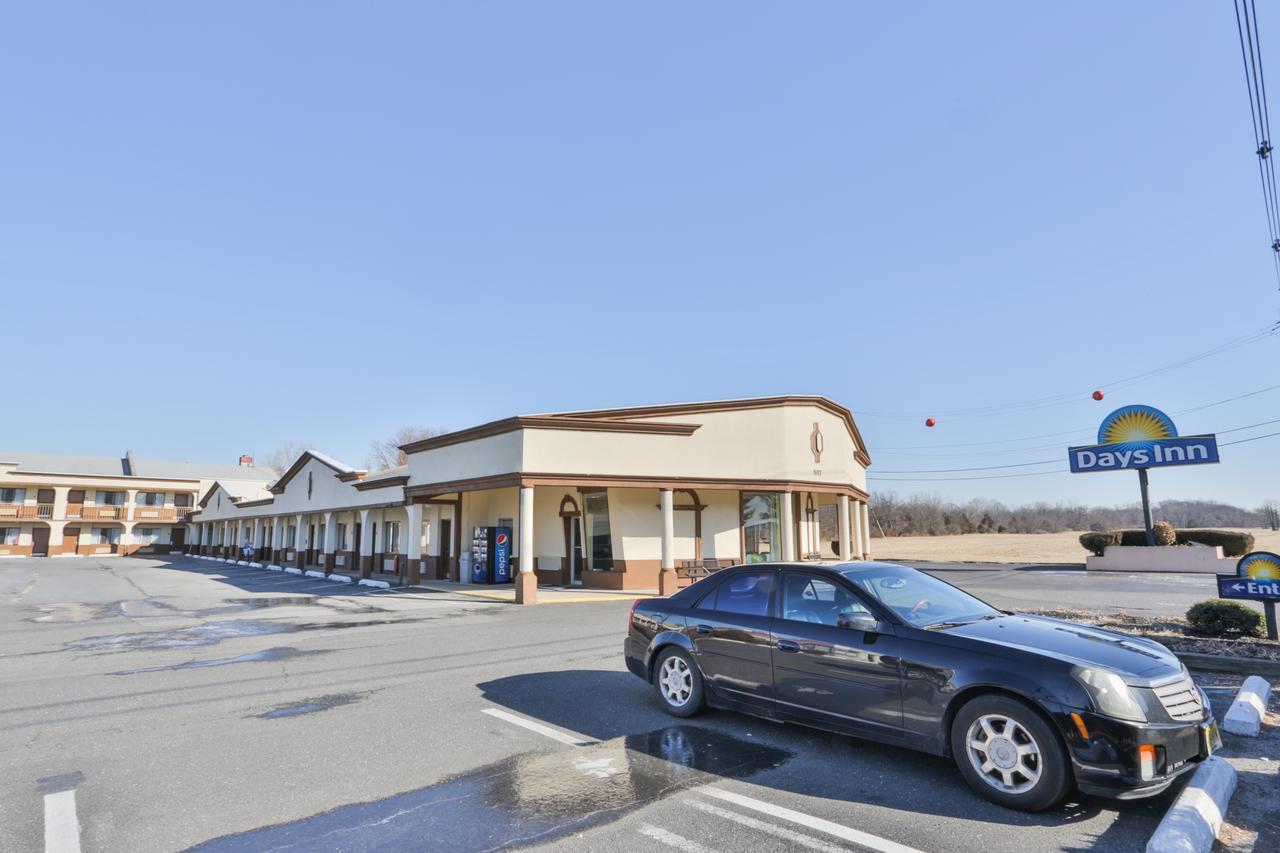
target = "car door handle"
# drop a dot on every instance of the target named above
(788, 646)
(704, 629)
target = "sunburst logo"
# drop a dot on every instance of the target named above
(1136, 425)
(1259, 564)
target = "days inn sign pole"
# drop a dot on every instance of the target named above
(1141, 437)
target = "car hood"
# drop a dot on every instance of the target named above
(1133, 658)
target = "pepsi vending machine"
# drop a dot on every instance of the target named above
(491, 555)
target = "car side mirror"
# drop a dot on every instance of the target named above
(864, 622)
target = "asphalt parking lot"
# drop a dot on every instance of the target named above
(187, 704)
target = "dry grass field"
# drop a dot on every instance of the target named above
(1008, 547)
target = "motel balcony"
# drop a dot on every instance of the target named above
(98, 513)
(11, 511)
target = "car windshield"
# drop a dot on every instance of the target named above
(921, 600)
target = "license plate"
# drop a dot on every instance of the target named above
(1210, 738)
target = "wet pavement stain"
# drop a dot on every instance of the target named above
(216, 632)
(526, 799)
(276, 653)
(131, 608)
(311, 706)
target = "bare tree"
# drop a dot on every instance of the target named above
(387, 453)
(1270, 512)
(282, 457)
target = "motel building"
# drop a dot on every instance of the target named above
(54, 505)
(616, 499)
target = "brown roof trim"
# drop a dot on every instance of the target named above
(546, 422)
(19, 474)
(732, 406)
(385, 482)
(624, 481)
(277, 488)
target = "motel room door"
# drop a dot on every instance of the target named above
(177, 538)
(39, 541)
(575, 550)
(71, 540)
(444, 571)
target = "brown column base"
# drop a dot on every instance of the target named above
(667, 583)
(526, 588)
(366, 566)
(415, 572)
(330, 563)
(300, 559)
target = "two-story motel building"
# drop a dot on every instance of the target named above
(612, 499)
(54, 505)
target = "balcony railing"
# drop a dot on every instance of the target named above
(26, 511)
(155, 513)
(104, 513)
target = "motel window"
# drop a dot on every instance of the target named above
(341, 544)
(290, 537)
(595, 517)
(146, 535)
(829, 529)
(150, 499)
(109, 498)
(761, 531)
(319, 546)
(9, 535)
(106, 535)
(12, 496)
(391, 537)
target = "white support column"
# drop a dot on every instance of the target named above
(413, 543)
(855, 517)
(846, 543)
(366, 545)
(526, 581)
(866, 530)
(300, 543)
(667, 573)
(330, 559)
(788, 523)
(225, 540)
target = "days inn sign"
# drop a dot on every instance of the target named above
(1141, 437)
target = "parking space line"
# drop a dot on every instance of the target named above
(670, 839)
(570, 738)
(866, 839)
(788, 835)
(61, 827)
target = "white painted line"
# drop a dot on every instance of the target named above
(788, 835)
(1244, 717)
(1194, 820)
(61, 827)
(670, 839)
(571, 738)
(866, 839)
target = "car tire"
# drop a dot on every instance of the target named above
(1010, 754)
(678, 683)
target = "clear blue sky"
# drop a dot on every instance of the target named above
(227, 226)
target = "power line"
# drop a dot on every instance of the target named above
(1259, 115)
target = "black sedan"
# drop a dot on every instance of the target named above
(1027, 706)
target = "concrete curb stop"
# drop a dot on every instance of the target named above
(292, 571)
(339, 578)
(312, 573)
(1244, 717)
(1194, 820)
(275, 568)
(374, 584)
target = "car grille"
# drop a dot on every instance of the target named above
(1181, 699)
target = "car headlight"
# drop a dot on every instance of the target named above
(1109, 694)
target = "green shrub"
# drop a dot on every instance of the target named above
(1096, 542)
(1235, 543)
(1164, 533)
(1220, 618)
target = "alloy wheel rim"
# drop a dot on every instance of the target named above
(676, 681)
(1004, 753)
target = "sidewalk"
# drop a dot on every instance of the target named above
(546, 594)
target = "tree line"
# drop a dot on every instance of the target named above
(929, 515)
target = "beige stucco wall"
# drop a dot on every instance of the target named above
(484, 457)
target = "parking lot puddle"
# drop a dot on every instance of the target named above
(310, 706)
(277, 653)
(531, 798)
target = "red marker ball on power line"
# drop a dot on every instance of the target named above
(1098, 395)
(929, 422)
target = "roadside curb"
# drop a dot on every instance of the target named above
(1193, 821)
(1229, 663)
(1244, 717)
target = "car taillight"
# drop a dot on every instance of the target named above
(631, 617)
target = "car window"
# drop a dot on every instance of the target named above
(919, 599)
(809, 598)
(747, 594)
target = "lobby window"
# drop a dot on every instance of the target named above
(150, 499)
(12, 496)
(595, 520)
(391, 537)
(761, 531)
(9, 535)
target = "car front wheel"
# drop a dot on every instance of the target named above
(678, 682)
(1009, 754)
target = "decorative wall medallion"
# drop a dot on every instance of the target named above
(815, 443)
